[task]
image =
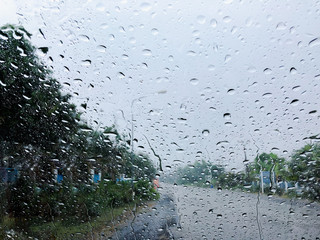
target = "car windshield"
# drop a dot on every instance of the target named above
(159, 119)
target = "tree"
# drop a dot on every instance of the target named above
(230, 180)
(196, 173)
(41, 133)
(32, 107)
(304, 168)
(142, 168)
(216, 171)
(269, 162)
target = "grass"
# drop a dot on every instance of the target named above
(72, 228)
(67, 229)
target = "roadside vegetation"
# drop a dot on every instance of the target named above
(297, 177)
(56, 170)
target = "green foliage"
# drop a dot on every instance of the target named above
(41, 131)
(280, 191)
(230, 180)
(32, 108)
(70, 202)
(140, 167)
(119, 194)
(305, 169)
(269, 162)
(200, 173)
(145, 191)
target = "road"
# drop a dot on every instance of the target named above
(153, 222)
(204, 213)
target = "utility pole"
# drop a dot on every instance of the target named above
(132, 134)
(261, 181)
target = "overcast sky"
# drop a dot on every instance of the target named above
(213, 76)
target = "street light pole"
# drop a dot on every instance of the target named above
(132, 115)
(132, 119)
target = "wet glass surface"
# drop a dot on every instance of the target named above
(159, 119)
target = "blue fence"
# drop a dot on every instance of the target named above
(8, 175)
(96, 178)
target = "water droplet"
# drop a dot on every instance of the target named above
(132, 40)
(2, 84)
(155, 31)
(313, 112)
(146, 52)
(267, 95)
(314, 42)
(101, 48)
(228, 124)
(3, 36)
(231, 91)
(211, 67)
(296, 88)
(14, 65)
(122, 30)
(145, 66)
(291, 212)
(77, 80)
(191, 53)
(100, 7)
(104, 26)
(227, 116)
(281, 26)
(201, 19)
(292, 30)
(227, 19)
(145, 7)
(293, 70)
(84, 38)
(121, 75)
(227, 58)
(294, 102)
(267, 71)
(86, 62)
(111, 37)
(194, 81)
(205, 132)
(213, 23)
(25, 97)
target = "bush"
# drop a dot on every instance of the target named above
(145, 190)
(118, 193)
(291, 193)
(255, 188)
(280, 191)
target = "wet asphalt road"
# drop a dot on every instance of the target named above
(204, 213)
(151, 223)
